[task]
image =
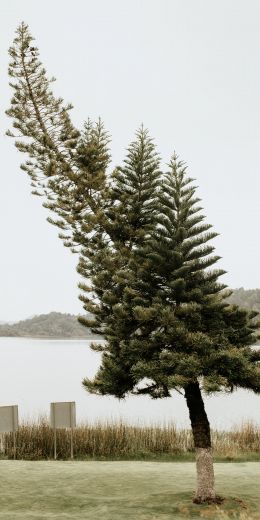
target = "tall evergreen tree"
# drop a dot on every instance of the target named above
(66, 167)
(144, 253)
(183, 336)
(131, 217)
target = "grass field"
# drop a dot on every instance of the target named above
(48, 490)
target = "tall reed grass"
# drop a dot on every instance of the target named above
(35, 441)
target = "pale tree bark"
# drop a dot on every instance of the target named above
(202, 440)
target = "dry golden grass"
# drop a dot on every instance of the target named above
(119, 441)
(222, 515)
(242, 439)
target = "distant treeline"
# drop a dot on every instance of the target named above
(247, 298)
(52, 325)
(58, 325)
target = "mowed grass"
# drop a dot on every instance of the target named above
(94, 490)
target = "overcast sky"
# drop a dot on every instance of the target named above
(190, 71)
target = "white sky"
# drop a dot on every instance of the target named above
(190, 71)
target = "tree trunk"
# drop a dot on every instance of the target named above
(202, 441)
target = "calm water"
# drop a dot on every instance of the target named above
(35, 372)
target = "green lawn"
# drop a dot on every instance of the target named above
(121, 490)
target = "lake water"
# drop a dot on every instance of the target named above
(36, 372)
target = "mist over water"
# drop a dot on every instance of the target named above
(36, 372)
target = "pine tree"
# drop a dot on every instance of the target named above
(66, 167)
(130, 215)
(145, 256)
(174, 327)
(39, 117)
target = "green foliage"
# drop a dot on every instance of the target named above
(38, 116)
(144, 250)
(135, 186)
(172, 324)
(66, 166)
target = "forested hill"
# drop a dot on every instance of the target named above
(52, 325)
(247, 298)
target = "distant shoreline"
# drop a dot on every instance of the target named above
(79, 338)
